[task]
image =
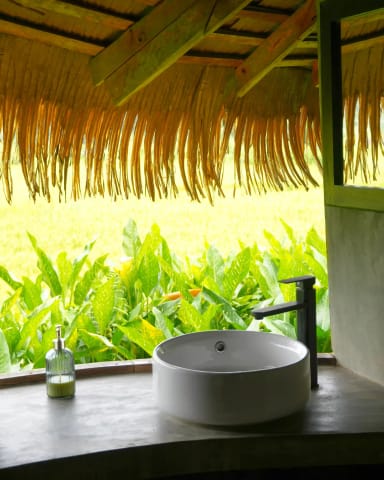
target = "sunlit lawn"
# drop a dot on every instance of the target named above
(185, 225)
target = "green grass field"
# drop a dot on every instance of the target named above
(186, 225)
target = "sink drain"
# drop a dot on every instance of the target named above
(219, 346)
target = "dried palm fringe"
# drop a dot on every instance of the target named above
(71, 137)
(363, 89)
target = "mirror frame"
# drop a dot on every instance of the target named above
(336, 193)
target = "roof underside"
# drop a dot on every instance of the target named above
(121, 97)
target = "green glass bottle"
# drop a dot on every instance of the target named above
(60, 369)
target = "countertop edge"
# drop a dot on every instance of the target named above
(209, 456)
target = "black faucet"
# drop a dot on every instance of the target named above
(305, 305)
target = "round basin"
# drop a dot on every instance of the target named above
(231, 377)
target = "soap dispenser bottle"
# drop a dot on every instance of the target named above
(60, 369)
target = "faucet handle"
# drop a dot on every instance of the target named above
(307, 280)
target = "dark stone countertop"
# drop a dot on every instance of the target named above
(112, 427)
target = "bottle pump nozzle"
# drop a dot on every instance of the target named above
(58, 341)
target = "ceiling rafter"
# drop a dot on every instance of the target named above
(233, 61)
(199, 55)
(275, 47)
(78, 12)
(157, 41)
(363, 42)
(254, 39)
(49, 38)
(266, 14)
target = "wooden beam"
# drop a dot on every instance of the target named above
(277, 46)
(237, 37)
(297, 62)
(76, 11)
(210, 58)
(34, 34)
(157, 41)
(91, 49)
(136, 38)
(361, 43)
(231, 61)
(307, 44)
(265, 14)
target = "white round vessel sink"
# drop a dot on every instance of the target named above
(231, 377)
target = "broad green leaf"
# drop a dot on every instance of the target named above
(76, 319)
(5, 358)
(9, 324)
(236, 273)
(47, 269)
(99, 348)
(46, 344)
(179, 279)
(289, 231)
(125, 352)
(31, 293)
(131, 239)
(10, 302)
(314, 240)
(84, 286)
(210, 283)
(255, 325)
(151, 243)
(64, 267)
(267, 276)
(317, 265)
(78, 264)
(167, 257)
(72, 336)
(103, 305)
(8, 278)
(210, 315)
(143, 334)
(148, 273)
(138, 282)
(97, 341)
(165, 251)
(215, 263)
(135, 312)
(322, 310)
(292, 264)
(324, 343)
(29, 332)
(83, 321)
(192, 318)
(276, 245)
(169, 308)
(163, 323)
(117, 336)
(280, 326)
(229, 312)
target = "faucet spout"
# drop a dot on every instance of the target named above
(305, 305)
(261, 313)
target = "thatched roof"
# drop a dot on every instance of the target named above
(117, 96)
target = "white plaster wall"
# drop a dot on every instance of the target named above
(355, 243)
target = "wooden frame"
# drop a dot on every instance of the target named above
(336, 193)
(275, 47)
(156, 42)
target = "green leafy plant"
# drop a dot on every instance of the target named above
(114, 312)
(290, 259)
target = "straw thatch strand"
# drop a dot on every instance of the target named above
(363, 91)
(68, 136)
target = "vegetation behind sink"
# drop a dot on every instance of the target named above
(117, 312)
